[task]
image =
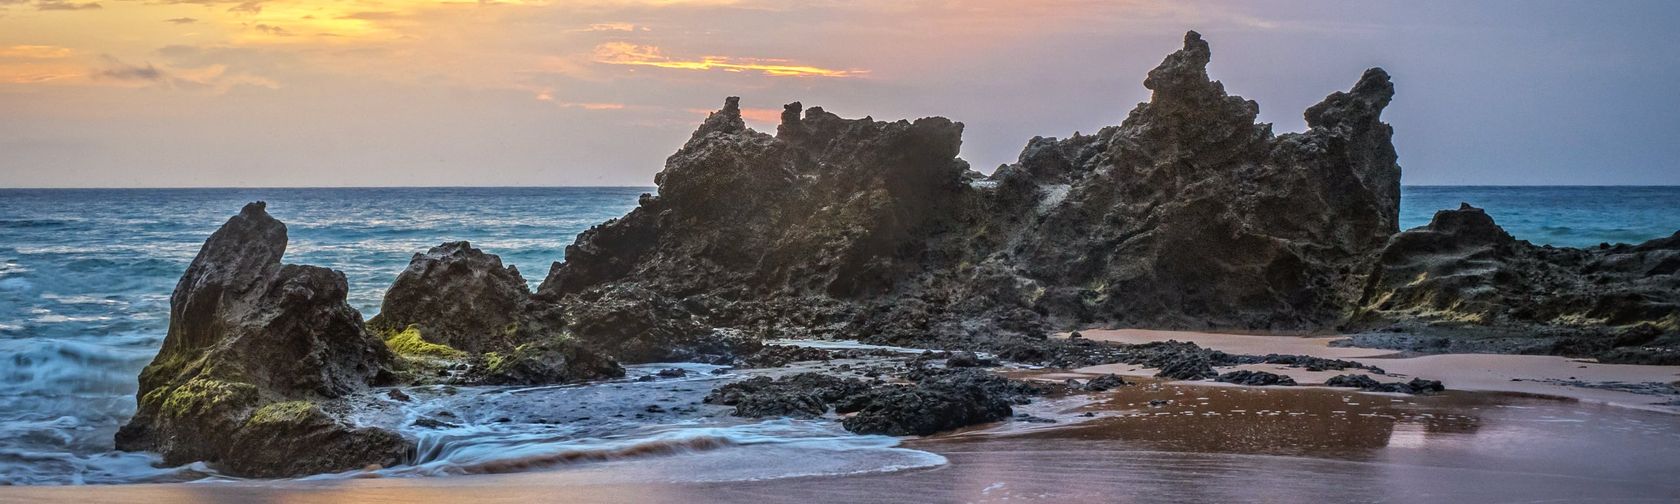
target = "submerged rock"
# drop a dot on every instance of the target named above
(253, 346)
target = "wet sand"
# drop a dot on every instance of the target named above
(1523, 374)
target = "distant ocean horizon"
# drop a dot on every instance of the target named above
(86, 275)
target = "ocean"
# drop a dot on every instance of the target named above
(85, 279)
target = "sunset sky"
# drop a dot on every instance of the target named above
(177, 93)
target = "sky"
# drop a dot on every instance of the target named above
(218, 93)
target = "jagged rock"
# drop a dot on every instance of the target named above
(637, 325)
(1255, 378)
(939, 401)
(1188, 214)
(1463, 272)
(550, 361)
(252, 346)
(781, 355)
(804, 395)
(461, 297)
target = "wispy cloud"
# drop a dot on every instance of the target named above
(624, 53)
(615, 27)
(115, 69)
(35, 52)
(181, 20)
(252, 7)
(61, 5)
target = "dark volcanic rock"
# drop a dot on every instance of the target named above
(1255, 378)
(939, 401)
(1188, 214)
(782, 355)
(459, 296)
(1104, 383)
(637, 325)
(1462, 273)
(252, 345)
(804, 395)
(967, 359)
(1365, 382)
(550, 361)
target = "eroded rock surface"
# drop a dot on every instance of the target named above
(461, 297)
(1188, 214)
(253, 346)
(1463, 273)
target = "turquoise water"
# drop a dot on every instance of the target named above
(1565, 216)
(85, 276)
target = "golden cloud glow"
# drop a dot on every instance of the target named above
(624, 53)
(34, 52)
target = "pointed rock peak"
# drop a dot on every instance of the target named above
(790, 119)
(1182, 69)
(1360, 106)
(791, 111)
(725, 120)
(1375, 84)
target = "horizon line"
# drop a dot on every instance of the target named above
(587, 186)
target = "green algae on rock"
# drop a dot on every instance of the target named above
(251, 340)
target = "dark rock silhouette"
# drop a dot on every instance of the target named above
(253, 346)
(1189, 214)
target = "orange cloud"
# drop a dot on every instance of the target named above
(624, 53)
(34, 52)
(608, 27)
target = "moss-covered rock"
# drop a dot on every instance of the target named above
(251, 344)
(550, 361)
(409, 343)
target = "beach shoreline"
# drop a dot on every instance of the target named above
(1363, 442)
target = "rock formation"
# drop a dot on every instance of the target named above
(1462, 272)
(1188, 214)
(253, 349)
(458, 296)
(457, 303)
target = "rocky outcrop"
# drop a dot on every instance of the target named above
(458, 296)
(549, 361)
(456, 304)
(253, 347)
(1463, 273)
(939, 400)
(1188, 214)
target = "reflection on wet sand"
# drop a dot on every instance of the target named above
(1265, 420)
